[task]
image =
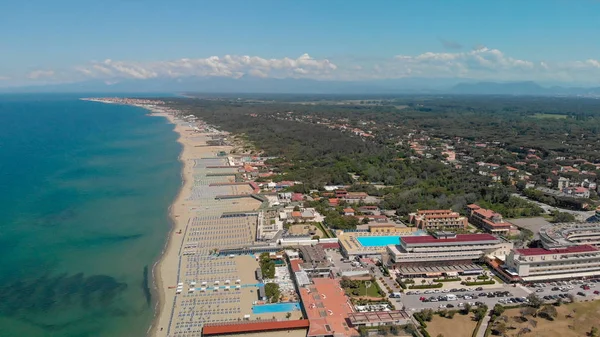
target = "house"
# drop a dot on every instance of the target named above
(370, 210)
(348, 212)
(333, 202)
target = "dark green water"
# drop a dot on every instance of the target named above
(84, 195)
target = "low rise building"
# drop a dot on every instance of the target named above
(540, 264)
(438, 219)
(488, 220)
(445, 253)
(327, 308)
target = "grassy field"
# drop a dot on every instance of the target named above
(552, 116)
(458, 326)
(573, 320)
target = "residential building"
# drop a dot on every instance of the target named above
(488, 220)
(563, 183)
(540, 264)
(438, 219)
(445, 253)
(348, 212)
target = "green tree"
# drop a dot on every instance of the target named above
(534, 300)
(594, 332)
(498, 309)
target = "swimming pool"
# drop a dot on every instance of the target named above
(378, 241)
(275, 307)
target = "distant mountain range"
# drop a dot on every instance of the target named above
(520, 88)
(305, 86)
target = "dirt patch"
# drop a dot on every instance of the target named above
(458, 326)
(573, 320)
(305, 229)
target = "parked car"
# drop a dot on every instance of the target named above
(581, 294)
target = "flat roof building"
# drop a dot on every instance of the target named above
(438, 219)
(327, 308)
(540, 264)
(444, 252)
(379, 318)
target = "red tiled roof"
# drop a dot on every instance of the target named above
(459, 238)
(210, 330)
(543, 251)
(296, 214)
(297, 197)
(348, 210)
(327, 308)
(295, 263)
(473, 206)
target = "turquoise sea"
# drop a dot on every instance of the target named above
(84, 194)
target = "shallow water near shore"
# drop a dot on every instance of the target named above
(85, 190)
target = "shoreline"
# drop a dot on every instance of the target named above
(158, 283)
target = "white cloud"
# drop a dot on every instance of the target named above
(226, 66)
(38, 74)
(4, 78)
(481, 63)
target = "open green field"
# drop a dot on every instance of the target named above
(549, 116)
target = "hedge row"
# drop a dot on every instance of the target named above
(454, 279)
(479, 283)
(426, 286)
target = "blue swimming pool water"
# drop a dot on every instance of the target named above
(276, 307)
(378, 241)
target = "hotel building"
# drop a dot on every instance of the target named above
(438, 219)
(540, 264)
(445, 253)
(488, 220)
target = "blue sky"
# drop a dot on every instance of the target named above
(62, 41)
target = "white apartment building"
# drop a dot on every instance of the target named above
(540, 264)
(436, 253)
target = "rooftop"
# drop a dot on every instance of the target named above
(327, 308)
(220, 329)
(458, 238)
(377, 317)
(568, 250)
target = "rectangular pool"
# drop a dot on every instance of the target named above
(275, 307)
(378, 241)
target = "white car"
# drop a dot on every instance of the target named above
(446, 290)
(442, 306)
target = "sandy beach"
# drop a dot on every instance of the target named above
(193, 285)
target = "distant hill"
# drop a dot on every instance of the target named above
(520, 88)
(251, 85)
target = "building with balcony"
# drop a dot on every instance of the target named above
(488, 220)
(438, 219)
(445, 253)
(541, 264)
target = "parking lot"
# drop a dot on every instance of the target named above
(506, 295)
(573, 287)
(412, 300)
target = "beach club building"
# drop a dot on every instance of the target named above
(445, 253)
(540, 264)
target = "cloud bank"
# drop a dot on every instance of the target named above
(481, 63)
